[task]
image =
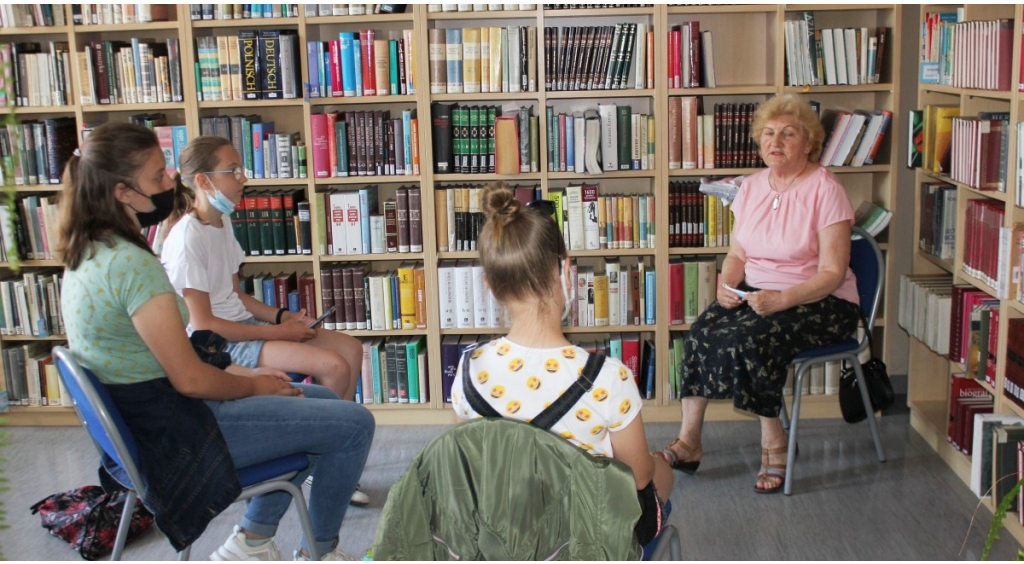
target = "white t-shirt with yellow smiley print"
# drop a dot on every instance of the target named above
(520, 382)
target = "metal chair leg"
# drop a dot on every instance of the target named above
(869, 410)
(122, 528)
(668, 541)
(801, 371)
(183, 556)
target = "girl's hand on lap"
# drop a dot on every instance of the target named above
(268, 371)
(295, 330)
(269, 385)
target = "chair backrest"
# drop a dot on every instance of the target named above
(867, 264)
(98, 413)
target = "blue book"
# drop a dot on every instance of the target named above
(615, 346)
(570, 145)
(393, 66)
(375, 369)
(138, 70)
(179, 133)
(359, 390)
(347, 54)
(368, 202)
(453, 38)
(357, 67)
(649, 290)
(648, 364)
(396, 311)
(327, 80)
(312, 63)
(407, 140)
(269, 295)
(293, 301)
(260, 131)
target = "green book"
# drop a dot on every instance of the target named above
(252, 224)
(674, 375)
(238, 225)
(412, 349)
(691, 276)
(492, 116)
(266, 224)
(456, 120)
(393, 63)
(341, 148)
(625, 141)
(280, 237)
(474, 139)
(376, 370)
(534, 144)
(288, 201)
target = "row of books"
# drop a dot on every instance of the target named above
(975, 54)
(458, 215)
(35, 77)
(243, 11)
(696, 219)
(363, 63)
(31, 15)
(257, 64)
(613, 294)
(365, 143)
(108, 14)
(356, 224)
(982, 259)
(937, 133)
(829, 57)
(979, 150)
(31, 378)
(609, 57)
(512, 146)
(433, 8)
(925, 308)
(719, 140)
(853, 138)
(967, 400)
(34, 152)
(871, 218)
(135, 72)
(624, 139)
(691, 53)
(465, 300)
(692, 283)
(173, 140)
(590, 221)
(1019, 197)
(394, 370)
(483, 59)
(32, 230)
(286, 289)
(1013, 380)
(265, 153)
(273, 222)
(996, 437)
(31, 304)
(375, 300)
(312, 10)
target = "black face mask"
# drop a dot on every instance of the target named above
(164, 202)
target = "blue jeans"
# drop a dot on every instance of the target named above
(335, 434)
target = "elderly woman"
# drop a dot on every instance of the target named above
(789, 259)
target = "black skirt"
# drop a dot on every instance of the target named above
(739, 354)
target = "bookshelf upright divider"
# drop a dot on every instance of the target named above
(745, 75)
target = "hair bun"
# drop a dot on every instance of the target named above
(499, 202)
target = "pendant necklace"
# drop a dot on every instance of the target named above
(778, 194)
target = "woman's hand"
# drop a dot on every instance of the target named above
(294, 330)
(727, 299)
(765, 302)
(274, 385)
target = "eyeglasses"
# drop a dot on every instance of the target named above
(237, 172)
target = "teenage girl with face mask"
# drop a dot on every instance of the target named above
(525, 266)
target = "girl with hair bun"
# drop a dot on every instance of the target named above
(525, 267)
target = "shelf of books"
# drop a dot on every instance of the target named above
(962, 303)
(367, 138)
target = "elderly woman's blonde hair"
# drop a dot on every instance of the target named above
(791, 105)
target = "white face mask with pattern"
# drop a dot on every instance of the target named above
(567, 307)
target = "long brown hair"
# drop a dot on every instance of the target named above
(113, 153)
(200, 155)
(520, 247)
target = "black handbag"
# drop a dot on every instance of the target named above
(879, 388)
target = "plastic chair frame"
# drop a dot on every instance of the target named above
(107, 435)
(806, 359)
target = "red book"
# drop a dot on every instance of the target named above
(676, 278)
(337, 279)
(961, 388)
(415, 220)
(993, 346)
(631, 353)
(366, 37)
(332, 144)
(335, 51)
(321, 147)
(694, 53)
(1004, 54)
(283, 284)
(307, 294)
(674, 37)
(349, 298)
(359, 296)
(402, 219)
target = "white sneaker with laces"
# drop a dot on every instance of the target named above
(336, 554)
(235, 549)
(359, 498)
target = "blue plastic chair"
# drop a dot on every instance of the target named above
(110, 434)
(666, 541)
(867, 264)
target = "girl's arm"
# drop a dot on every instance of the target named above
(629, 445)
(159, 324)
(202, 317)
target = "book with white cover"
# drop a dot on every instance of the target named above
(591, 231)
(582, 318)
(611, 266)
(593, 142)
(446, 294)
(830, 57)
(609, 136)
(376, 287)
(574, 206)
(464, 294)
(579, 140)
(336, 222)
(481, 295)
(353, 228)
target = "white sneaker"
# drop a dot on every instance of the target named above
(359, 498)
(336, 554)
(236, 549)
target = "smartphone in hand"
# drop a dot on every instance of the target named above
(739, 293)
(319, 320)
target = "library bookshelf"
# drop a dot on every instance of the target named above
(929, 373)
(744, 75)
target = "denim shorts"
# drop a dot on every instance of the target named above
(246, 353)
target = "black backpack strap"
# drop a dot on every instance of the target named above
(476, 401)
(554, 413)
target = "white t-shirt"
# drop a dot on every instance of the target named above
(203, 257)
(520, 382)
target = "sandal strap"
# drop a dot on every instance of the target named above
(669, 453)
(767, 466)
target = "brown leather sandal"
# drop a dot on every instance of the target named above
(775, 474)
(685, 466)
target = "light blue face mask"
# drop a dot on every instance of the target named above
(221, 203)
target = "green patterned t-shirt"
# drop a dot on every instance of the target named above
(98, 299)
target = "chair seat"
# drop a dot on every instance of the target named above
(272, 469)
(849, 345)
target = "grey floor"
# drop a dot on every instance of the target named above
(846, 506)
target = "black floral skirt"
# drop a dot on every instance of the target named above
(739, 354)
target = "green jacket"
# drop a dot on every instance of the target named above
(497, 489)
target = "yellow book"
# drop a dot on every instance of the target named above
(235, 69)
(600, 298)
(602, 221)
(407, 295)
(620, 241)
(224, 67)
(485, 59)
(943, 136)
(53, 397)
(933, 117)
(634, 232)
(471, 60)
(495, 52)
(711, 207)
(410, 63)
(420, 282)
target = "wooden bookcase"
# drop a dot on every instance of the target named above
(744, 74)
(929, 373)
